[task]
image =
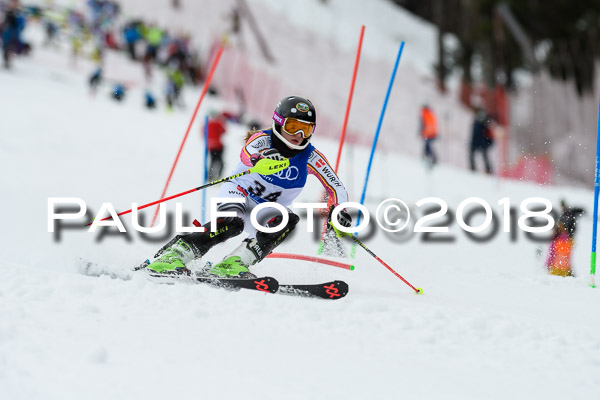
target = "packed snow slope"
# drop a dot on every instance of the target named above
(490, 325)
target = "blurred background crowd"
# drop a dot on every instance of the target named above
(510, 85)
(96, 27)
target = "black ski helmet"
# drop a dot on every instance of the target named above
(293, 107)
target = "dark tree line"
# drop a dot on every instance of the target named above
(565, 35)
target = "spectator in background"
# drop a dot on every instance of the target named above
(234, 33)
(78, 32)
(481, 139)
(11, 27)
(52, 20)
(97, 56)
(236, 20)
(177, 52)
(150, 102)
(428, 131)
(175, 81)
(102, 19)
(154, 37)
(95, 80)
(561, 246)
(217, 127)
(194, 70)
(131, 35)
(118, 92)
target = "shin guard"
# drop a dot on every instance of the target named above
(265, 242)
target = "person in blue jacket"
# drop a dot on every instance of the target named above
(481, 139)
(11, 27)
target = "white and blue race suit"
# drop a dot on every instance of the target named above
(282, 187)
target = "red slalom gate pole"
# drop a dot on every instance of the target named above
(360, 40)
(345, 124)
(317, 260)
(187, 132)
(361, 244)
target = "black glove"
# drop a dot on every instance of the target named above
(271, 154)
(343, 218)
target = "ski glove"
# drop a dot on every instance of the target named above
(271, 154)
(343, 218)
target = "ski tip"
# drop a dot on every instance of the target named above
(267, 284)
(352, 268)
(419, 291)
(342, 287)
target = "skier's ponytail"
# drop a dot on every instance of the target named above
(250, 133)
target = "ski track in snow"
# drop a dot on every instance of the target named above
(491, 324)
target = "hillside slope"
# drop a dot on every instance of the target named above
(491, 323)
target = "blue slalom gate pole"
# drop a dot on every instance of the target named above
(205, 168)
(387, 97)
(376, 138)
(595, 216)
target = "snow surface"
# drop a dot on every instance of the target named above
(491, 324)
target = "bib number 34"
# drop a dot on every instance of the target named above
(258, 189)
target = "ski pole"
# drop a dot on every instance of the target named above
(263, 167)
(361, 244)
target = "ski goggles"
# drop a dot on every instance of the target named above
(293, 126)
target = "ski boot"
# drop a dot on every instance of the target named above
(173, 259)
(231, 267)
(236, 264)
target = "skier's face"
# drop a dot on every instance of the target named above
(296, 139)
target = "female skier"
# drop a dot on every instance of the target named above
(294, 121)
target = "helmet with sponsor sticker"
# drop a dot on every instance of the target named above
(294, 121)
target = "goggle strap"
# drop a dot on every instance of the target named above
(278, 118)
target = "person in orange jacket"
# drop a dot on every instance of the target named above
(561, 246)
(428, 131)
